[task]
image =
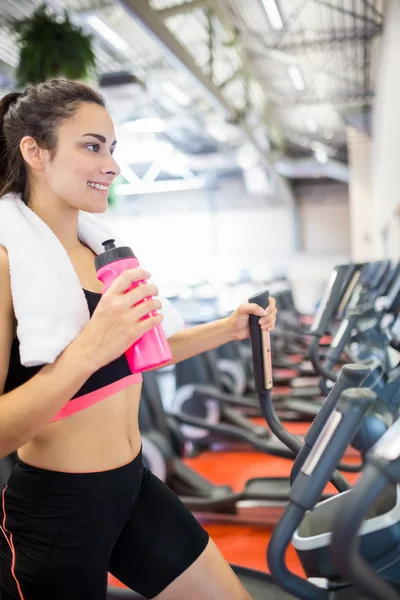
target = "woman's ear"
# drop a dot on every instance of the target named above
(32, 153)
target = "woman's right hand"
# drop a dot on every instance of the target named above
(116, 323)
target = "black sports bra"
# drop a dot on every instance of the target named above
(103, 383)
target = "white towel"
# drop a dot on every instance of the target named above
(49, 303)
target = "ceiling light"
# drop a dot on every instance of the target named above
(176, 93)
(273, 14)
(107, 33)
(296, 77)
(311, 125)
(257, 182)
(321, 156)
(218, 131)
(280, 56)
(328, 134)
(247, 156)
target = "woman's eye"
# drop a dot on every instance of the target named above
(95, 146)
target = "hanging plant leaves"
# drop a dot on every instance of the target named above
(51, 47)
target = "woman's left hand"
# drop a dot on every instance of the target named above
(239, 320)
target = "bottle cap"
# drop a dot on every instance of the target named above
(112, 253)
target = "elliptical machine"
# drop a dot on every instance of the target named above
(372, 499)
(343, 420)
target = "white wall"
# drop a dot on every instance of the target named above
(386, 135)
(362, 221)
(324, 232)
(324, 217)
(192, 236)
(193, 245)
(181, 239)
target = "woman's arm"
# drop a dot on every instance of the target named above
(198, 339)
(28, 408)
(194, 340)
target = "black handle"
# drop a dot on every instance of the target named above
(337, 433)
(393, 293)
(392, 275)
(260, 342)
(351, 376)
(330, 300)
(339, 341)
(379, 273)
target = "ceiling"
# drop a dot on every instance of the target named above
(280, 77)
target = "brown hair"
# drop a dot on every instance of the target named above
(37, 112)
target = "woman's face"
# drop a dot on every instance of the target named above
(83, 160)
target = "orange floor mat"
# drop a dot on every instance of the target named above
(235, 468)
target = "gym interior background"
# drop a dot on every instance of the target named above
(254, 138)
(257, 139)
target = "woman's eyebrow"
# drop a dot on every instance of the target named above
(101, 138)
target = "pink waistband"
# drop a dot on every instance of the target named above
(82, 402)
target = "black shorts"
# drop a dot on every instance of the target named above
(62, 532)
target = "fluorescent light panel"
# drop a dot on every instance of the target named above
(296, 77)
(175, 93)
(321, 156)
(107, 33)
(311, 124)
(273, 14)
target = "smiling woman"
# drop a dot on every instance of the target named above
(76, 161)
(79, 489)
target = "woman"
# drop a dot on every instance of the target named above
(79, 502)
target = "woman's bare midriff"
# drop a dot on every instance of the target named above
(102, 437)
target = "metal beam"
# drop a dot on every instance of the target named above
(345, 11)
(354, 99)
(248, 70)
(148, 18)
(331, 39)
(371, 6)
(171, 11)
(231, 78)
(290, 21)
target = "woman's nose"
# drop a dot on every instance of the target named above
(111, 166)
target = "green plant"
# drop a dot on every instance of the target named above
(52, 47)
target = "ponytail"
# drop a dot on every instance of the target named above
(8, 167)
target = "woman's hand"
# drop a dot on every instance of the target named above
(239, 320)
(117, 321)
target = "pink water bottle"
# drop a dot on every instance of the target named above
(151, 349)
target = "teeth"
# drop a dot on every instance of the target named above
(98, 186)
